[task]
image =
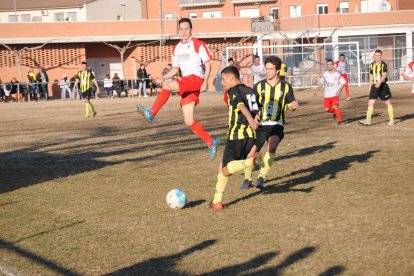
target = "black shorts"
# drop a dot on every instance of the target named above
(263, 133)
(237, 150)
(87, 94)
(383, 92)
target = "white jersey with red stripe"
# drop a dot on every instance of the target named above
(341, 66)
(409, 70)
(332, 82)
(190, 57)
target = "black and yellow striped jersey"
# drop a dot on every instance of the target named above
(282, 71)
(273, 101)
(238, 125)
(85, 80)
(376, 71)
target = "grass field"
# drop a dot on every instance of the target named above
(87, 197)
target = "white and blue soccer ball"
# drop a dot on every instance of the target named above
(176, 199)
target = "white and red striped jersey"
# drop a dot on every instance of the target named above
(409, 70)
(332, 82)
(190, 57)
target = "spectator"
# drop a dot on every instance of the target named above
(108, 86)
(142, 81)
(33, 88)
(116, 84)
(43, 81)
(152, 85)
(31, 73)
(3, 90)
(76, 93)
(166, 69)
(65, 87)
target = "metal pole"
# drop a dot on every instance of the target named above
(14, 6)
(161, 33)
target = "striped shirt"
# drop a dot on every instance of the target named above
(85, 79)
(238, 127)
(273, 102)
(377, 70)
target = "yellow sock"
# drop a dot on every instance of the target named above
(369, 113)
(220, 187)
(268, 159)
(390, 112)
(86, 110)
(248, 173)
(238, 165)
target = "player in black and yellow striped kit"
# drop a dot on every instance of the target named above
(85, 78)
(275, 97)
(240, 151)
(378, 88)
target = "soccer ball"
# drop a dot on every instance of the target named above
(176, 199)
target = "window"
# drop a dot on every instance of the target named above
(322, 9)
(274, 12)
(192, 15)
(119, 17)
(25, 18)
(59, 17)
(344, 7)
(249, 13)
(295, 11)
(364, 6)
(71, 16)
(13, 18)
(212, 14)
(37, 19)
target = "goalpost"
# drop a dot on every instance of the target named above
(304, 62)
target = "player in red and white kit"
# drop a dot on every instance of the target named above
(333, 82)
(341, 66)
(408, 74)
(189, 55)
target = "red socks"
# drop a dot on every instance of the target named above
(199, 130)
(337, 112)
(161, 99)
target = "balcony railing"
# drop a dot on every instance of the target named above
(265, 24)
(251, 1)
(199, 3)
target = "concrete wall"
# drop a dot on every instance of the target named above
(44, 14)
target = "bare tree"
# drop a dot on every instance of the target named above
(122, 49)
(18, 54)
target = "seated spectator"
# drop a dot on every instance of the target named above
(108, 86)
(116, 84)
(16, 90)
(152, 85)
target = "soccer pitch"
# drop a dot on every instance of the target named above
(87, 196)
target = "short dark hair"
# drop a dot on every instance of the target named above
(84, 62)
(188, 20)
(256, 56)
(230, 59)
(329, 60)
(378, 51)
(341, 55)
(276, 61)
(231, 70)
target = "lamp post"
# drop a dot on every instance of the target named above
(14, 6)
(124, 5)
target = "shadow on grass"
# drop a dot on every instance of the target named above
(308, 151)
(359, 118)
(332, 271)
(405, 117)
(166, 265)
(328, 169)
(58, 269)
(194, 203)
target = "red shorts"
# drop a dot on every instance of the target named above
(329, 102)
(345, 77)
(189, 89)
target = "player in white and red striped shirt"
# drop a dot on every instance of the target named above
(408, 74)
(191, 56)
(341, 66)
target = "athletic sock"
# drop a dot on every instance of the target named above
(198, 129)
(248, 173)
(331, 110)
(338, 114)
(369, 113)
(347, 90)
(86, 109)
(220, 187)
(390, 112)
(161, 99)
(92, 108)
(238, 165)
(268, 159)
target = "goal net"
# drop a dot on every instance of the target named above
(304, 62)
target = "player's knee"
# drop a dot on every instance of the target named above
(327, 109)
(188, 122)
